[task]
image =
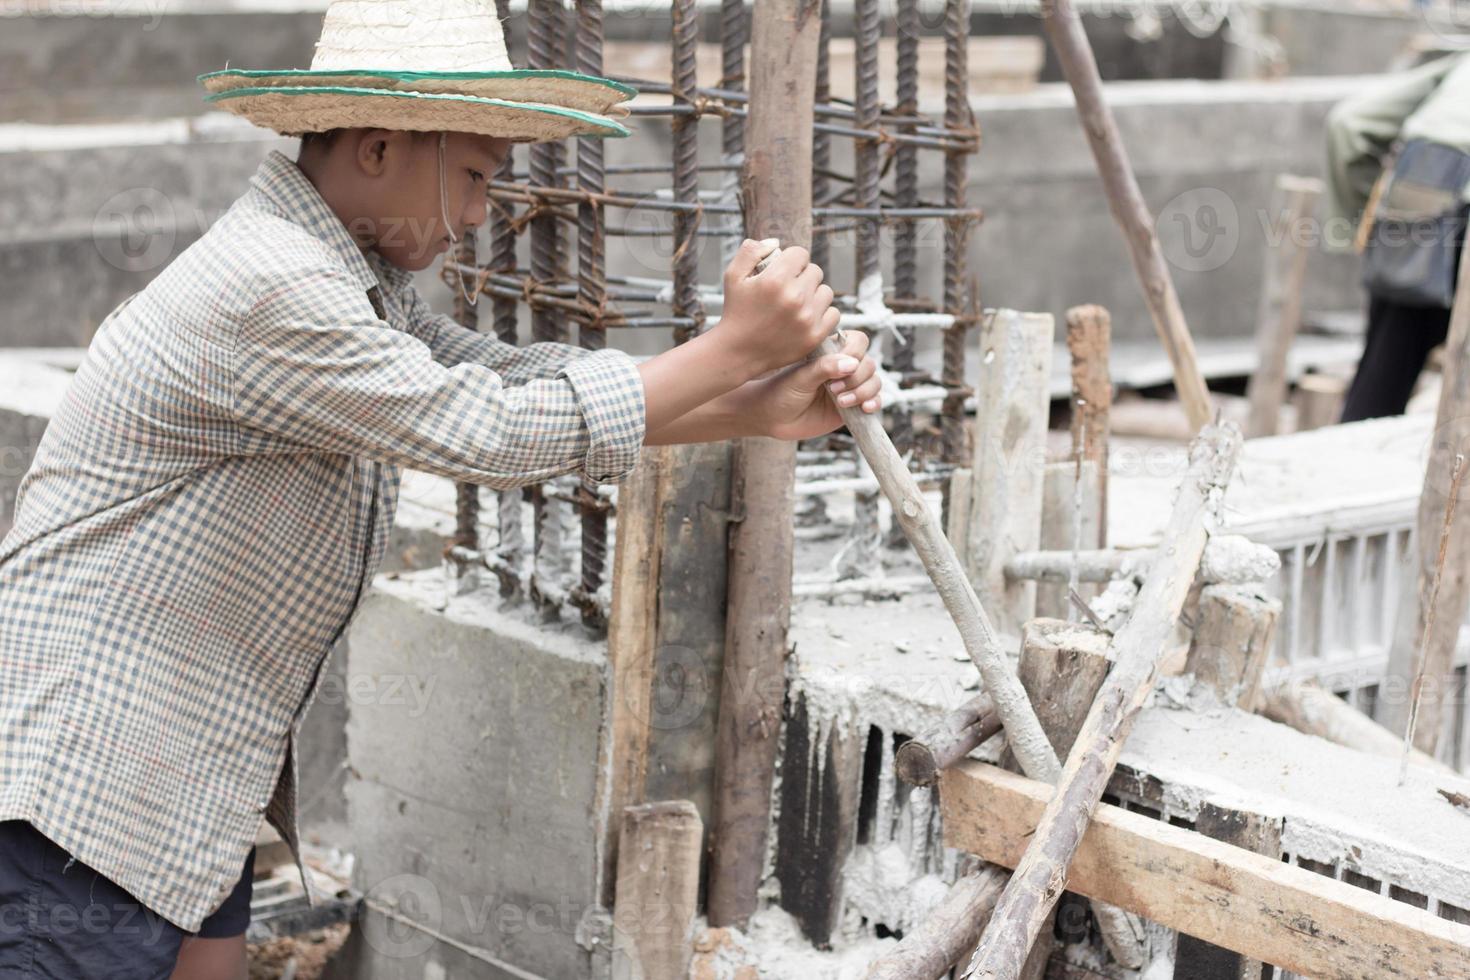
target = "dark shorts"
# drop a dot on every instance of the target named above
(60, 920)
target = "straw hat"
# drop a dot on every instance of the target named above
(435, 65)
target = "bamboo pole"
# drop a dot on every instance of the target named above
(1042, 872)
(1064, 30)
(776, 184)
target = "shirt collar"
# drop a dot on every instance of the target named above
(281, 180)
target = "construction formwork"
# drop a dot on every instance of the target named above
(574, 210)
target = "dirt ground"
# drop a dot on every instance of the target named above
(301, 957)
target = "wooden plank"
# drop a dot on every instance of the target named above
(630, 648)
(1013, 403)
(1282, 914)
(1067, 528)
(821, 782)
(659, 853)
(1138, 648)
(1280, 315)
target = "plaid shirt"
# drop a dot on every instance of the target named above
(210, 503)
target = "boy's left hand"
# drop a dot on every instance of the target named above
(797, 401)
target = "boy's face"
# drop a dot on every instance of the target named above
(393, 188)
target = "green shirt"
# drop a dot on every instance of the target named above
(1431, 102)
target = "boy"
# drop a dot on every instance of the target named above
(212, 499)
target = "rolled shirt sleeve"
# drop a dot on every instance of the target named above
(314, 366)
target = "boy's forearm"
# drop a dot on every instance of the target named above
(697, 372)
(728, 416)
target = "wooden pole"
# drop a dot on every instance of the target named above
(1064, 30)
(776, 186)
(1232, 641)
(1417, 651)
(1137, 648)
(1281, 301)
(1308, 923)
(1314, 710)
(658, 891)
(1071, 524)
(1009, 468)
(1090, 344)
(920, 759)
(950, 929)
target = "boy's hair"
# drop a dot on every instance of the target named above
(327, 138)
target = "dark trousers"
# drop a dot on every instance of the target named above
(1399, 341)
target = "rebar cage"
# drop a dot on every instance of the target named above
(555, 200)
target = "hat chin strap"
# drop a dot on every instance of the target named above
(444, 213)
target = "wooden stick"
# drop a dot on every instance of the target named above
(1281, 301)
(920, 759)
(1023, 732)
(776, 186)
(1064, 30)
(1071, 524)
(1090, 342)
(1297, 919)
(658, 891)
(1033, 889)
(948, 931)
(1426, 623)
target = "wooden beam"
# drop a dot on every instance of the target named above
(631, 643)
(1287, 916)
(1137, 649)
(1074, 54)
(1280, 315)
(1013, 403)
(659, 854)
(1232, 641)
(777, 189)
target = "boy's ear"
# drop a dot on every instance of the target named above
(377, 146)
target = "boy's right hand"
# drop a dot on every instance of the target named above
(779, 315)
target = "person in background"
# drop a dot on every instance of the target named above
(1398, 168)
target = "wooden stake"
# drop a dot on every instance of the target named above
(1428, 626)
(920, 759)
(1318, 399)
(1297, 919)
(1232, 641)
(1064, 30)
(1137, 648)
(1280, 314)
(1010, 459)
(1071, 524)
(776, 187)
(1090, 342)
(658, 891)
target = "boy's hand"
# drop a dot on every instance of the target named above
(778, 315)
(797, 403)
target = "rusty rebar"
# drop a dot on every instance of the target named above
(956, 232)
(821, 250)
(905, 239)
(686, 171)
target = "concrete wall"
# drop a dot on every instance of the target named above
(473, 736)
